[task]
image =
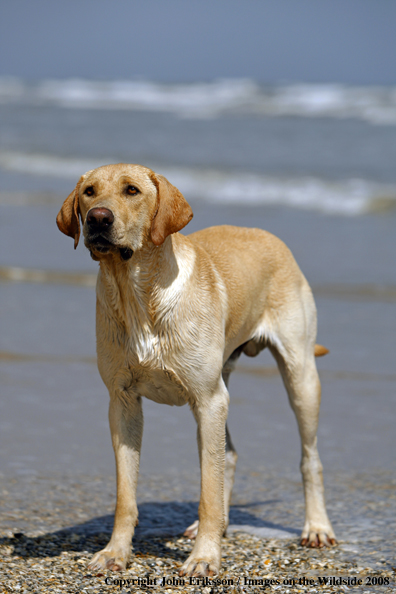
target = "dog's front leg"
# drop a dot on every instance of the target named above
(126, 425)
(211, 416)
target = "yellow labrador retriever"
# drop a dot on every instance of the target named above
(173, 315)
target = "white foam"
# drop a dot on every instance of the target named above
(345, 197)
(376, 105)
(348, 197)
(46, 165)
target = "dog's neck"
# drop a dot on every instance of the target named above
(146, 289)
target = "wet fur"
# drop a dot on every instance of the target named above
(172, 318)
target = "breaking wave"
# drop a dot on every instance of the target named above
(376, 105)
(348, 197)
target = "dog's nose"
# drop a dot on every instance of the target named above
(101, 218)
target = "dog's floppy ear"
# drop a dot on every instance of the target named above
(68, 219)
(173, 211)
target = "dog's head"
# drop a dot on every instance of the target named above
(122, 207)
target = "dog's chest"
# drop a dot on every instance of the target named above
(140, 354)
(151, 371)
(142, 364)
(161, 385)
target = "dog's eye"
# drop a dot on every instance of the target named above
(132, 191)
(89, 191)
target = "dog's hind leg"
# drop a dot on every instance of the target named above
(231, 456)
(294, 354)
(229, 475)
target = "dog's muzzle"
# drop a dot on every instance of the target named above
(99, 222)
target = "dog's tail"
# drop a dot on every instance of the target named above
(320, 350)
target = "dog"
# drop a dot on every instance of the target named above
(173, 315)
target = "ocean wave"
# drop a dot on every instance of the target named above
(350, 197)
(376, 105)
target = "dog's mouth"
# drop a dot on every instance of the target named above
(98, 244)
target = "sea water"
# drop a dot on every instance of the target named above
(327, 148)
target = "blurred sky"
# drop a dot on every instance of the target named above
(347, 41)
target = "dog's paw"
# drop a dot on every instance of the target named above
(204, 560)
(192, 531)
(318, 536)
(108, 559)
(195, 567)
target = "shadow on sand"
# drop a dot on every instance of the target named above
(158, 522)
